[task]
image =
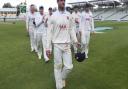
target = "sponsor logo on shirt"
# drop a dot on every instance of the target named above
(88, 19)
(63, 27)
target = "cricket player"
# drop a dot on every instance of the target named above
(60, 34)
(86, 27)
(41, 33)
(30, 25)
(47, 19)
(48, 16)
(76, 20)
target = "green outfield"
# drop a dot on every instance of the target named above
(106, 68)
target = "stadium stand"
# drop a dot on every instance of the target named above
(8, 13)
(115, 10)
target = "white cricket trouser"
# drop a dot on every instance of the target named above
(62, 63)
(85, 42)
(32, 35)
(41, 44)
(75, 48)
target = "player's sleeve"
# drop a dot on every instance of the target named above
(49, 33)
(78, 17)
(92, 24)
(46, 20)
(37, 22)
(81, 23)
(72, 31)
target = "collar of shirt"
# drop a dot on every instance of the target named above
(61, 12)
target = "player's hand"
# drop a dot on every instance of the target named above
(76, 21)
(48, 53)
(93, 33)
(77, 44)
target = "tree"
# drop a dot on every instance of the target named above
(7, 5)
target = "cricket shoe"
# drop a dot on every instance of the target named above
(46, 61)
(86, 56)
(39, 56)
(36, 50)
(63, 83)
(32, 49)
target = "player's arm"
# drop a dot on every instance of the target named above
(72, 32)
(49, 37)
(38, 21)
(81, 26)
(79, 18)
(92, 25)
(27, 22)
(46, 21)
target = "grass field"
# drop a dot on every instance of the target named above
(106, 68)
